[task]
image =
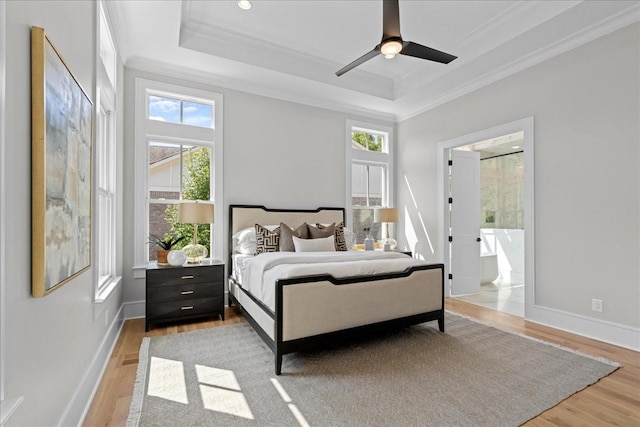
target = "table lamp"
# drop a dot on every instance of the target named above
(196, 212)
(387, 215)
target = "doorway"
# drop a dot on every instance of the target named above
(486, 225)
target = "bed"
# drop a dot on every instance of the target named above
(298, 300)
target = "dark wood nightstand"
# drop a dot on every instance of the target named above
(190, 291)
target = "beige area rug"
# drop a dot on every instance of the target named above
(471, 375)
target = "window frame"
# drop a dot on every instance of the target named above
(365, 157)
(105, 170)
(147, 130)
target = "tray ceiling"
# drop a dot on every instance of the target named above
(292, 49)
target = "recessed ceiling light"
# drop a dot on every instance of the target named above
(244, 4)
(516, 146)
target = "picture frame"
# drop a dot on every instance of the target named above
(61, 172)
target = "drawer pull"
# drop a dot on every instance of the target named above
(187, 277)
(186, 292)
(190, 307)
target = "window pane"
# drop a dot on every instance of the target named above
(363, 218)
(103, 235)
(162, 216)
(374, 142)
(376, 185)
(164, 171)
(196, 173)
(358, 140)
(367, 141)
(163, 223)
(359, 179)
(197, 114)
(164, 109)
(367, 184)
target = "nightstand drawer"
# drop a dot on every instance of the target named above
(185, 291)
(178, 276)
(176, 309)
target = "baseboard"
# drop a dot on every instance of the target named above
(134, 309)
(79, 405)
(601, 330)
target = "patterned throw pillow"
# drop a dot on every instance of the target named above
(287, 233)
(266, 240)
(327, 230)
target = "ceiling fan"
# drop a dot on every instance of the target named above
(392, 43)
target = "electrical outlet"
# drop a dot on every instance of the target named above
(596, 305)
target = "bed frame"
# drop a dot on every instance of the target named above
(317, 309)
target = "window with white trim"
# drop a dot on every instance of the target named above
(369, 176)
(105, 145)
(178, 157)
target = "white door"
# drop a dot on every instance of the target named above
(465, 222)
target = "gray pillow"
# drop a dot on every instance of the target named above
(321, 231)
(287, 233)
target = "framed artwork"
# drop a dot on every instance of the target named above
(61, 143)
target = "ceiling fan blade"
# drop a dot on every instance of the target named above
(418, 51)
(390, 19)
(364, 58)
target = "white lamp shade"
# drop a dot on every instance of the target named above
(385, 215)
(195, 212)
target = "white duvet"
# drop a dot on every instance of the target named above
(261, 273)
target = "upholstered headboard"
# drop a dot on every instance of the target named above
(243, 216)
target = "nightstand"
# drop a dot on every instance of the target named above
(187, 292)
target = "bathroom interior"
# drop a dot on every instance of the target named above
(502, 224)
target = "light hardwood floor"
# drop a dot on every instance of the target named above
(612, 401)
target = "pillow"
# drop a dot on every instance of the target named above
(321, 230)
(286, 234)
(323, 244)
(244, 241)
(267, 240)
(338, 232)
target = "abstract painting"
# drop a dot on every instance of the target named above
(61, 115)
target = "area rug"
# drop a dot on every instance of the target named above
(471, 375)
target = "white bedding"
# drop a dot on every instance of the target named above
(260, 273)
(240, 263)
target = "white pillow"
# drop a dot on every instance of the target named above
(349, 236)
(323, 244)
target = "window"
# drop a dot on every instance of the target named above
(369, 176)
(176, 172)
(105, 145)
(178, 157)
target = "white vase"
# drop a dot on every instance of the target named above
(176, 258)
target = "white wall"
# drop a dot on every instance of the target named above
(276, 153)
(586, 108)
(52, 344)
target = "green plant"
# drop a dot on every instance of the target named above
(166, 243)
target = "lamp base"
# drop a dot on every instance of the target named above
(389, 243)
(195, 253)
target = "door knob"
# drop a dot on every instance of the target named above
(478, 240)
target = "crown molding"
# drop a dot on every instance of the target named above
(608, 25)
(288, 93)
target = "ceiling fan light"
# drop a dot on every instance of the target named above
(389, 56)
(391, 47)
(244, 4)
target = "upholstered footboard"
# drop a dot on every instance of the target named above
(311, 310)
